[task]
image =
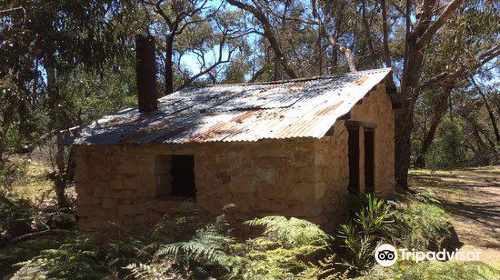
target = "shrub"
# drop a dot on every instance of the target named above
(411, 221)
(464, 270)
(16, 215)
(204, 252)
(159, 271)
(77, 258)
(361, 235)
(281, 252)
(420, 225)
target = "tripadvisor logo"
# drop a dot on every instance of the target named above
(386, 255)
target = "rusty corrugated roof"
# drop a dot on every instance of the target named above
(243, 112)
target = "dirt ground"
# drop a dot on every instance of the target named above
(472, 198)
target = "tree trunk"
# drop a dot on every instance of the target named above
(368, 34)
(491, 114)
(385, 29)
(403, 141)
(169, 72)
(56, 125)
(436, 120)
(259, 73)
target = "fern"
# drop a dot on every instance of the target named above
(157, 271)
(291, 232)
(324, 270)
(207, 245)
(280, 252)
(205, 251)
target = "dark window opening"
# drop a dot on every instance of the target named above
(183, 176)
(175, 176)
(353, 153)
(369, 160)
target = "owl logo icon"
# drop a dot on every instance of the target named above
(386, 255)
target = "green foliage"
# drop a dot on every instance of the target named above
(283, 250)
(280, 252)
(203, 252)
(16, 215)
(77, 258)
(14, 253)
(447, 149)
(158, 271)
(464, 270)
(325, 269)
(118, 253)
(291, 232)
(409, 221)
(420, 224)
(19, 215)
(91, 94)
(175, 225)
(361, 236)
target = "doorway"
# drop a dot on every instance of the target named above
(353, 154)
(369, 160)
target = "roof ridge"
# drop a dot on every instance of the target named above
(305, 79)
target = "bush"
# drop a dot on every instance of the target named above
(20, 216)
(16, 216)
(77, 258)
(463, 270)
(410, 221)
(362, 234)
(421, 226)
(282, 251)
(182, 247)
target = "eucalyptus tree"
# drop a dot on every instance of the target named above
(42, 42)
(196, 29)
(424, 21)
(464, 47)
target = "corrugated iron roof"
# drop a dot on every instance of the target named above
(242, 112)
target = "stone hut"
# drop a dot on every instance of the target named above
(292, 148)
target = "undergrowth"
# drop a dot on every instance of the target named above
(181, 246)
(407, 220)
(463, 270)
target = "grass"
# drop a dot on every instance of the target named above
(465, 270)
(29, 179)
(435, 270)
(24, 251)
(33, 182)
(487, 172)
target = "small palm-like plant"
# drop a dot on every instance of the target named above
(361, 235)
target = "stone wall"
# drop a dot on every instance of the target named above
(332, 153)
(377, 108)
(117, 185)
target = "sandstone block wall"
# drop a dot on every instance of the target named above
(117, 185)
(377, 109)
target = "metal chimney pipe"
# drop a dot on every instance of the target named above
(146, 73)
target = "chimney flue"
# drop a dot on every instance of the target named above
(146, 73)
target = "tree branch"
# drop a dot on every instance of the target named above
(268, 34)
(448, 79)
(431, 30)
(346, 51)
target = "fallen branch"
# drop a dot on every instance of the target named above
(31, 235)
